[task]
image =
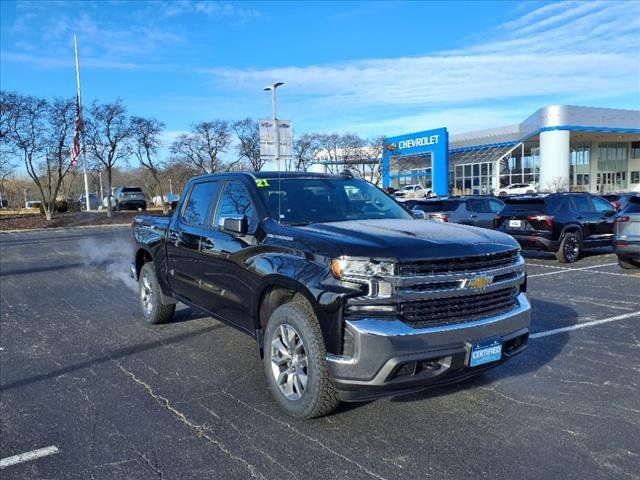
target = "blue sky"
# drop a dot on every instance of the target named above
(366, 67)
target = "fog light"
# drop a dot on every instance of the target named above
(432, 366)
(406, 369)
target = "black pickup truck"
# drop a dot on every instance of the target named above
(347, 295)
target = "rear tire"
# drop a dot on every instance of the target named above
(570, 248)
(150, 297)
(295, 361)
(626, 263)
(502, 194)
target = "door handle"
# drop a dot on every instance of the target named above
(472, 216)
(580, 217)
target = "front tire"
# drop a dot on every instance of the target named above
(570, 248)
(149, 294)
(295, 361)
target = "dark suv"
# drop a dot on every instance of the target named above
(563, 223)
(129, 198)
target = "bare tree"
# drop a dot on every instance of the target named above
(7, 168)
(374, 169)
(8, 115)
(203, 146)
(330, 146)
(107, 131)
(305, 150)
(180, 173)
(557, 184)
(42, 133)
(145, 134)
(248, 134)
(9, 112)
(352, 149)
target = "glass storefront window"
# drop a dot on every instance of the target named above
(612, 166)
(579, 166)
(474, 178)
(411, 170)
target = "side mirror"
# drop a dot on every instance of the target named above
(418, 214)
(609, 213)
(236, 225)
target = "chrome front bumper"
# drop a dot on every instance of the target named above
(381, 345)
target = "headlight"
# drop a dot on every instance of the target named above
(345, 268)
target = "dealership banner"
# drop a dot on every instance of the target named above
(268, 139)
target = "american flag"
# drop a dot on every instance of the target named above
(77, 128)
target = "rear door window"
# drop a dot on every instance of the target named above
(583, 204)
(602, 206)
(201, 198)
(477, 205)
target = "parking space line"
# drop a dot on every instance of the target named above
(564, 269)
(632, 275)
(578, 326)
(28, 456)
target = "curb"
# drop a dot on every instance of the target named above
(65, 229)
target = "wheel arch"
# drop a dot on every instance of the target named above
(571, 228)
(276, 290)
(142, 256)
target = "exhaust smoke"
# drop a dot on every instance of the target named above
(112, 255)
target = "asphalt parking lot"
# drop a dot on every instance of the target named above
(81, 372)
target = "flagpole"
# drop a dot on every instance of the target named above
(84, 150)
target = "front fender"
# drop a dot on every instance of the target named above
(314, 281)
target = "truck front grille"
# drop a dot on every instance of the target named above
(458, 309)
(459, 265)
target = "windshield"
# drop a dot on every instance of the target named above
(301, 201)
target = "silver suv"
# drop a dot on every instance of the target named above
(626, 243)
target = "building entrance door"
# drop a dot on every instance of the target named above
(611, 181)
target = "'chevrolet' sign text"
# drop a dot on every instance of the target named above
(418, 142)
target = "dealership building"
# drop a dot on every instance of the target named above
(558, 147)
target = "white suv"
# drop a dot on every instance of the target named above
(412, 191)
(517, 189)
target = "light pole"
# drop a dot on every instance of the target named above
(101, 194)
(170, 189)
(274, 119)
(25, 197)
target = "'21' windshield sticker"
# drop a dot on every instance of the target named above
(261, 182)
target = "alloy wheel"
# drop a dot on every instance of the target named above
(289, 362)
(571, 248)
(146, 294)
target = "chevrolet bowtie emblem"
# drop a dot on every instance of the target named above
(477, 282)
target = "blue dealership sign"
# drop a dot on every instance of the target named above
(435, 142)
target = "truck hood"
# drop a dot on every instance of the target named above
(409, 240)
